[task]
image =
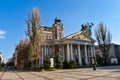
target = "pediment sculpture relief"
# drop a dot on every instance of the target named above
(81, 37)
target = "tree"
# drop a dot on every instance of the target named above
(72, 65)
(69, 65)
(65, 64)
(22, 54)
(103, 38)
(35, 36)
(47, 62)
(58, 61)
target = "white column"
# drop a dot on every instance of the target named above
(91, 51)
(75, 55)
(94, 54)
(68, 53)
(48, 50)
(42, 57)
(45, 50)
(86, 56)
(79, 55)
(63, 53)
(94, 51)
(71, 51)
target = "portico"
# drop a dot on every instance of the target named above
(78, 49)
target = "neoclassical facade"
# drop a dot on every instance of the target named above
(77, 47)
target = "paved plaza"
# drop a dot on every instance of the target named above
(103, 73)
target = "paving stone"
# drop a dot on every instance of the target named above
(66, 79)
(34, 79)
(103, 78)
(113, 73)
(10, 75)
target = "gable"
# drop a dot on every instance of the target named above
(80, 36)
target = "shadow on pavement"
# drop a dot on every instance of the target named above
(110, 67)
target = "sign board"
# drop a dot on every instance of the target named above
(114, 60)
(51, 62)
(93, 60)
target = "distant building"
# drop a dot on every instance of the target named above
(1, 58)
(113, 53)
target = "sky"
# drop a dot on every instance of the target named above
(73, 14)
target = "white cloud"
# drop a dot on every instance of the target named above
(2, 37)
(2, 33)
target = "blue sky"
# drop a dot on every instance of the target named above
(73, 13)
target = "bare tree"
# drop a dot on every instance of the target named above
(22, 54)
(35, 35)
(103, 38)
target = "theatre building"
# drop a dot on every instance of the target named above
(77, 47)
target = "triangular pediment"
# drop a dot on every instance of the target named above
(80, 36)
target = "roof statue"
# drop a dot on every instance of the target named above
(57, 20)
(86, 28)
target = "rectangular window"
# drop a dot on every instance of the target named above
(60, 35)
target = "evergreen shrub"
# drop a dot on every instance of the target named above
(46, 62)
